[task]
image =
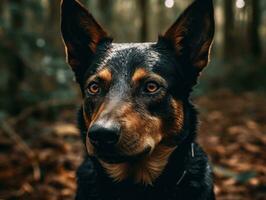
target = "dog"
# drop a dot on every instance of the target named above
(136, 120)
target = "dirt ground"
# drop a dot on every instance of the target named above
(38, 157)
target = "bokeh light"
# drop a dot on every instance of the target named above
(240, 4)
(169, 3)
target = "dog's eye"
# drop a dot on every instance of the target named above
(152, 87)
(93, 88)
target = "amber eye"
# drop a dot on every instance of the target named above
(152, 87)
(93, 88)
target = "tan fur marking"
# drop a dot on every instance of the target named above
(74, 63)
(145, 171)
(137, 128)
(139, 74)
(177, 126)
(179, 115)
(96, 114)
(203, 56)
(142, 131)
(105, 74)
(89, 147)
(93, 29)
(86, 118)
(118, 172)
(176, 34)
(152, 166)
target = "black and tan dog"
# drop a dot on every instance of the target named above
(136, 119)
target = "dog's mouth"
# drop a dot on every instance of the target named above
(113, 156)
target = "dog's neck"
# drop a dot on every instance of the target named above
(144, 171)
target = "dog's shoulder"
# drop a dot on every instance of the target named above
(198, 181)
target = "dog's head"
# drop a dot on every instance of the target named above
(134, 93)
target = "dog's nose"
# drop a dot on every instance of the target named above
(100, 135)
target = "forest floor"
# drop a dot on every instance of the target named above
(39, 157)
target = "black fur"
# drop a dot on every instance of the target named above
(187, 175)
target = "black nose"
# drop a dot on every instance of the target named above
(100, 135)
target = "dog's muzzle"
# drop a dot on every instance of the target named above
(104, 137)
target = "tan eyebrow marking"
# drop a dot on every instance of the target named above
(105, 74)
(139, 74)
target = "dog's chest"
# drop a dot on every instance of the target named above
(170, 188)
(152, 193)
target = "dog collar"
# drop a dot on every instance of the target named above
(192, 154)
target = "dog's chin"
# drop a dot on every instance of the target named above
(115, 157)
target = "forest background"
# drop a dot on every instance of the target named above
(40, 147)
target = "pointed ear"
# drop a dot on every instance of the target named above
(81, 34)
(192, 34)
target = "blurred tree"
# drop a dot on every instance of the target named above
(52, 22)
(143, 6)
(253, 28)
(161, 16)
(106, 7)
(1, 7)
(14, 61)
(229, 39)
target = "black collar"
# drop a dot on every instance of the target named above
(177, 168)
(192, 154)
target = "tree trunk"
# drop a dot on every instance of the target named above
(229, 39)
(16, 64)
(52, 27)
(106, 7)
(161, 16)
(143, 5)
(1, 8)
(254, 24)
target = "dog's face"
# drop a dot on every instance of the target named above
(129, 101)
(134, 94)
